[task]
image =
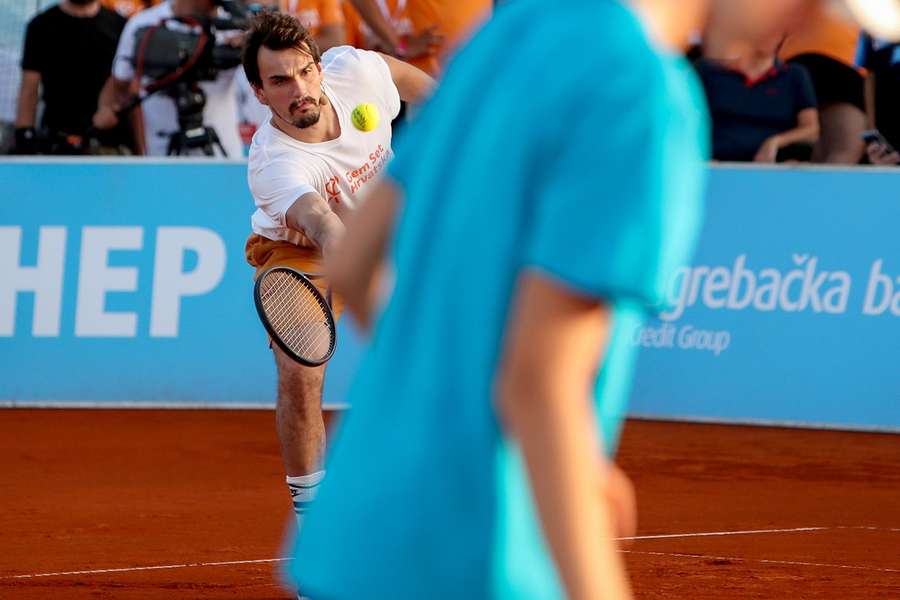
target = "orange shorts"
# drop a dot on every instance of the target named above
(263, 253)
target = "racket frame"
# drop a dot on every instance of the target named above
(326, 302)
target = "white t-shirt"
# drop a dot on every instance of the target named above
(281, 169)
(160, 114)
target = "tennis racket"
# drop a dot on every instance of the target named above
(296, 314)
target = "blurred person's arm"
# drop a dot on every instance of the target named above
(331, 31)
(35, 54)
(870, 100)
(803, 97)
(370, 12)
(414, 84)
(114, 96)
(806, 132)
(554, 342)
(26, 112)
(120, 88)
(356, 268)
(864, 58)
(330, 36)
(424, 43)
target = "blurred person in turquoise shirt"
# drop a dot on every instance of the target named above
(531, 218)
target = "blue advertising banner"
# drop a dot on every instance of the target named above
(790, 311)
(124, 283)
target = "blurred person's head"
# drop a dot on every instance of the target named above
(768, 46)
(283, 65)
(749, 22)
(187, 8)
(673, 23)
(753, 22)
(80, 8)
(742, 28)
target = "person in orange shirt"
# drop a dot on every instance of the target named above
(455, 19)
(322, 18)
(825, 44)
(423, 32)
(418, 49)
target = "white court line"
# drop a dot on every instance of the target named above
(638, 537)
(715, 533)
(151, 568)
(763, 560)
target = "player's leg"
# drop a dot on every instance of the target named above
(298, 409)
(301, 428)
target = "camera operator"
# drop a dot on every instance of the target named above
(159, 123)
(68, 52)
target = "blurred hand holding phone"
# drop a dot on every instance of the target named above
(878, 149)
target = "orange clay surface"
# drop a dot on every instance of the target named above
(160, 504)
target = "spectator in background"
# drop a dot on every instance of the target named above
(882, 61)
(416, 48)
(156, 125)
(762, 110)
(322, 18)
(68, 52)
(423, 32)
(825, 44)
(455, 20)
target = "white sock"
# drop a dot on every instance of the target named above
(303, 490)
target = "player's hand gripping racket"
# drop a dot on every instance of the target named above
(296, 315)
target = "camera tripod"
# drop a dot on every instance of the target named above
(192, 133)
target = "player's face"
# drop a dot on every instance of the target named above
(291, 86)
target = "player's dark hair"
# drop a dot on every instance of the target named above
(275, 31)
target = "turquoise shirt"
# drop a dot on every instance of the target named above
(561, 141)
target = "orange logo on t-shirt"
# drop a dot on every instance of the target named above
(368, 170)
(333, 190)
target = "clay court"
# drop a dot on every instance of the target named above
(151, 504)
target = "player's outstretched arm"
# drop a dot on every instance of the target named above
(355, 268)
(553, 344)
(311, 216)
(414, 84)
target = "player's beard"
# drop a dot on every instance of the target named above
(308, 118)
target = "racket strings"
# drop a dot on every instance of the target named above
(300, 320)
(297, 315)
(295, 305)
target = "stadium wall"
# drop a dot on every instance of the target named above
(124, 284)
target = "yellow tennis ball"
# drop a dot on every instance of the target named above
(365, 117)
